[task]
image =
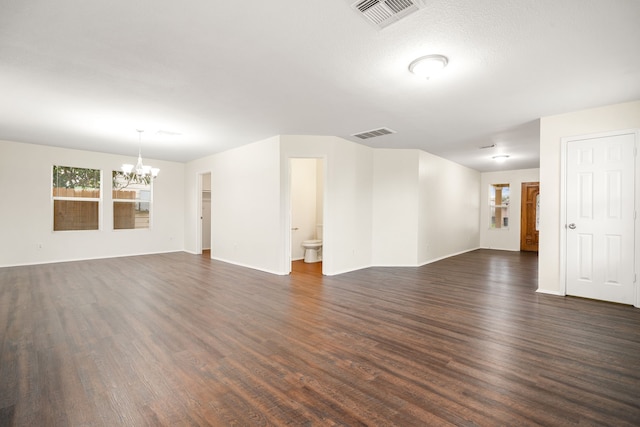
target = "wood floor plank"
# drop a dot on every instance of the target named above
(179, 339)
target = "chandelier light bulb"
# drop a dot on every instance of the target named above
(127, 168)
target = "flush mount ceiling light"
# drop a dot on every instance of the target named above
(141, 170)
(428, 66)
(500, 158)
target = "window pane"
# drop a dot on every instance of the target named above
(505, 195)
(492, 215)
(129, 215)
(75, 215)
(76, 182)
(130, 186)
(131, 201)
(499, 205)
(80, 184)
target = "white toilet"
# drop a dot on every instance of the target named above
(313, 248)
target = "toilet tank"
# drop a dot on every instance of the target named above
(319, 231)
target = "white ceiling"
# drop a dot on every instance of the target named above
(87, 74)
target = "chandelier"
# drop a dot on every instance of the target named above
(140, 170)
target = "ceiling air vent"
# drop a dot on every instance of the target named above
(373, 133)
(383, 13)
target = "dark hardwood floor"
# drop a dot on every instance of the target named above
(179, 339)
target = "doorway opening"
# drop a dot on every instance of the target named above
(306, 213)
(204, 214)
(529, 216)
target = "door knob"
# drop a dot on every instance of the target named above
(572, 226)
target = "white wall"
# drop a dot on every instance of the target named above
(381, 207)
(250, 202)
(424, 208)
(347, 218)
(26, 217)
(245, 209)
(396, 189)
(448, 208)
(245, 205)
(504, 238)
(552, 130)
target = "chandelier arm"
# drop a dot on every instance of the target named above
(140, 170)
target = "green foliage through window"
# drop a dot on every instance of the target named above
(70, 177)
(121, 180)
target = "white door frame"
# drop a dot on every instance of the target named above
(288, 201)
(564, 143)
(199, 176)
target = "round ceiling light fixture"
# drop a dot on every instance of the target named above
(500, 158)
(428, 66)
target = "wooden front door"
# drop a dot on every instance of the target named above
(529, 216)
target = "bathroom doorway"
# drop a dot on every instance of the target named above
(306, 210)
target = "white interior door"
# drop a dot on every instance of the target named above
(600, 200)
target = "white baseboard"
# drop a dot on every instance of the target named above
(448, 256)
(253, 267)
(548, 292)
(26, 264)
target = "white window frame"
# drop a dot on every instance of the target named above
(504, 206)
(115, 200)
(76, 199)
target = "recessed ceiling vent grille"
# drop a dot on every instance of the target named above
(373, 133)
(383, 13)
